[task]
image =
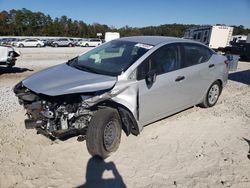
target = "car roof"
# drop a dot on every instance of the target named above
(153, 40)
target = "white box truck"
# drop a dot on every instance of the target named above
(111, 36)
(216, 37)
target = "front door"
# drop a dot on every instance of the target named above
(161, 81)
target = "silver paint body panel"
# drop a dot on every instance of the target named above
(63, 79)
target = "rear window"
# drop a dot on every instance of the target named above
(196, 54)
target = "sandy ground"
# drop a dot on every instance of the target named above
(195, 148)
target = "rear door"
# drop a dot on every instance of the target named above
(198, 71)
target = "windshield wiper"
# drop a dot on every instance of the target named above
(73, 60)
(88, 69)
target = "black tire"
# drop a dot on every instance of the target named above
(211, 99)
(70, 45)
(21, 45)
(104, 133)
(56, 45)
(86, 45)
(38, 45)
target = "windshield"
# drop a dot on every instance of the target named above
(111, 58)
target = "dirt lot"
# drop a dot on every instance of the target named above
(195, 148)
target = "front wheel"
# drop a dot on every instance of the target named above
(104, 133)
(212, 95)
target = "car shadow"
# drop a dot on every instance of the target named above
(242, 76)
(8, 70)
(248, 154)
(94, 172)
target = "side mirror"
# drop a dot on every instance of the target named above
(150, 78)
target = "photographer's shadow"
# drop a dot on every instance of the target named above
(94, 172)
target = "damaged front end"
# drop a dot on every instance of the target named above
(56, 117)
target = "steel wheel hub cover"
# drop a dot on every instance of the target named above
(109, 135)
(213, 94)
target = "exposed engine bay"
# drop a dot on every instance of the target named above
(59, 117)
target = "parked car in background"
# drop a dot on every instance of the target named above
(91, 42)
(5, 41)
(78, 43)
(8, 56)
(13, 43)
(29, 43)
(123, 84)
(62, 42)
(74, 41)
(48, 42)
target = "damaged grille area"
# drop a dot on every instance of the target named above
(59, 117)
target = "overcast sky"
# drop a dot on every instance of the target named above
(138, 13)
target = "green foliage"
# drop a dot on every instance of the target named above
(240, 30)
(27, 23)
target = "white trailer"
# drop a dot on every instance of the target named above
(111, 36)
(218, 36)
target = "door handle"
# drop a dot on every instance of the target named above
(179, 78)
(211, 65)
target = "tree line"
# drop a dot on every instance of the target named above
(27, 23)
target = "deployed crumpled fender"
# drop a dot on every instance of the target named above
(125, 95)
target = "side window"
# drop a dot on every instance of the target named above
(144, 68)
(204, 39)
(163, 60)
(199, 36)
(196, 54)
(195, 36)
(167, 58)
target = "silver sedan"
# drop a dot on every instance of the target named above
(123, 84)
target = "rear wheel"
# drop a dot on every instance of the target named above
(21, 45)
(87, 45)
(38, 45)
(56, 45)
(212, 95)
(70, 45)
(104, 133)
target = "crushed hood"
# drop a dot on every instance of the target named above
(63, 79)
